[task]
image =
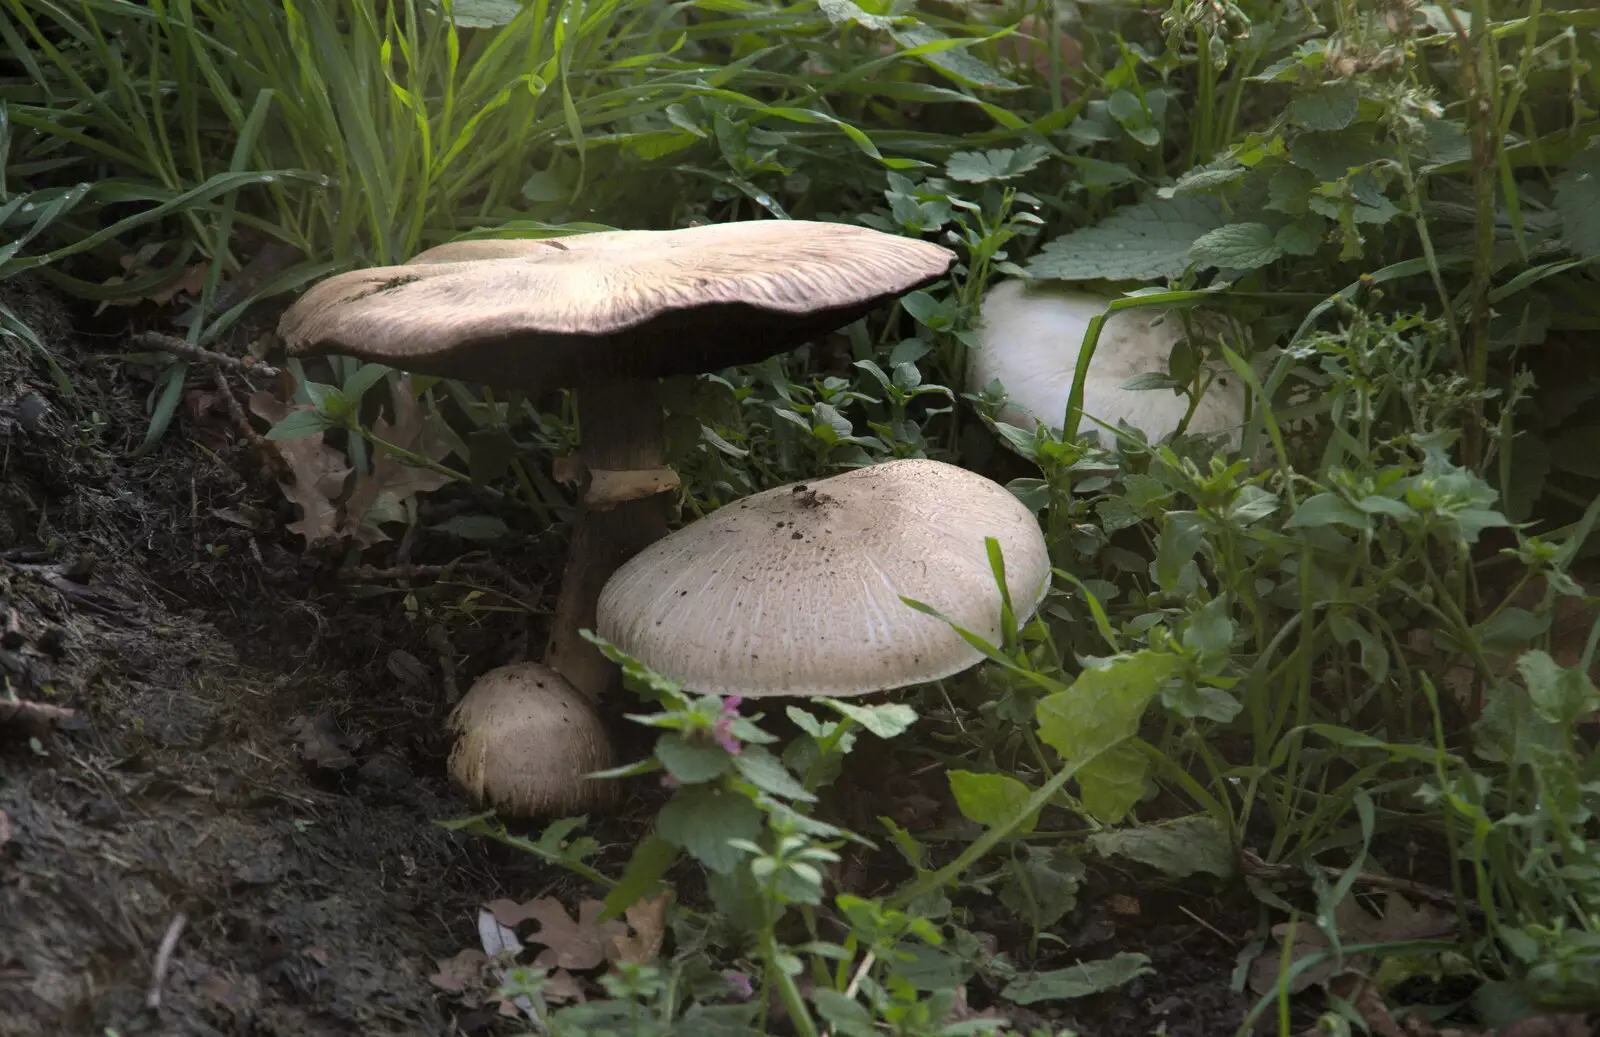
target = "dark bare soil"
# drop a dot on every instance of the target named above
(255, 759)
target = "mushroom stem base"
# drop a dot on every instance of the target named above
(622, 430)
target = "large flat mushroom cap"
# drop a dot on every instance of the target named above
(796, 590)
(564, 312)
(1030, 337)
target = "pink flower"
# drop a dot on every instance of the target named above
(723, 732)
(740, 984)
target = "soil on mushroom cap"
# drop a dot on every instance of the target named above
(317, 901)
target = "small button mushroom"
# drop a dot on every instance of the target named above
(1030, 338)
(796, 590)
(525, 739)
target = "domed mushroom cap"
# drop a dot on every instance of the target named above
(1030, 338)
(564, 312)
(796, 590)
(525, 738)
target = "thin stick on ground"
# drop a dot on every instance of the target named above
(163, 962)
(200, 355)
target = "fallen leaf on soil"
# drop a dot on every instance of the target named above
(5, 828)
(380, 495)
(1122, 904)
(322, 744)
(460, 973)
(34, 719)
(648, 919)
(563, 987)
(574, 945)
(319, 471)
(1360, 992)
(191, 281)
(1401, 921)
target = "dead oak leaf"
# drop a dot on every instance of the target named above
(562, 987)
(380, 495)
(461, 973)
(648, 920)
(1355, 925)
(571, 944)
(319, 472)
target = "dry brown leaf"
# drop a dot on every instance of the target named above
(5, 828)
(563, 988)
(462, 972)
(1122, 904)
(648, 920)
(380, 495)
(1359, 991)
(574, 945)
(319, 471)
(1400, 921)
(190, 282)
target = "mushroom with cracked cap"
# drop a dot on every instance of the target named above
(796, 590)
(1030, 337)
(607, 314)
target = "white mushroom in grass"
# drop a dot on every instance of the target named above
(797, 590)
(525, 738)
(1030, 338)
(607, 315)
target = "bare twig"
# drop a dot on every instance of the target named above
(200, 355)
(265, 449)
(33, 719)
(158, 972)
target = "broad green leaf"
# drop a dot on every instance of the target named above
(1043, 884)
(1578, 201)
(978, 167)
(950, 57)
(1081, 980)
(847, 1015)
(767, 773)
(484, 14)
(1332, 106)
(1098, 712)
(1135, 243)
(297, 425)
(474, 527)
(991, 799)
(646, 868)
(702, 821)
(1177, 848)
(1237, 246)
(689, 763)
(1328, 509)
(887, 720)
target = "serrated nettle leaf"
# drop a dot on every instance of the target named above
(1135, 243)
(991, 799)
(1301, 238)
(767, 773)
(1237, 246)
(1330, 106)
(689, 762)
(1204, 180)
(1289, 190)
(887, 720)
(1081, 980)
(705, 823)
(1177, 848)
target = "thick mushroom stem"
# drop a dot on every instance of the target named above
(622, 431)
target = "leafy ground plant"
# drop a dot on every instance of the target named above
(1342, 676)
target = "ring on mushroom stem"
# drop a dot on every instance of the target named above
(796, 590)
(1031, 335)
(607, 315)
